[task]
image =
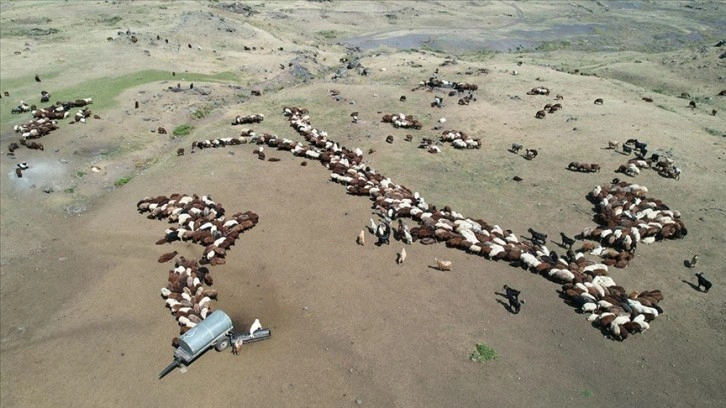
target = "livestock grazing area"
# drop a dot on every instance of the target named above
(364, 178)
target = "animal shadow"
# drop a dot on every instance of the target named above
(695, 287)
(506, 305)
(524, 156)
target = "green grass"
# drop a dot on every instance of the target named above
(103, 90)
(183, 130)
(714, 132)
(329, 34)
(202, 112)
(123, 181)
(553, 46)
(483, 353)
(80, 173)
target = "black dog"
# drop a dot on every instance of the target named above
(703, 282)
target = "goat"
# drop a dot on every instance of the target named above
(237, 345)
(37, 78)
(161, 130)
(567, 241)
(361, 240)
(19, 172)
(180, 151)
(703, 282)
(12, 147)
(538, 236)
(531, 154)
(442, 265)
(540, 114)
(513, 296)
(516, 147)
(401, 256)
(613, 144)
(389, 139)
(599, 101)
(693, 262)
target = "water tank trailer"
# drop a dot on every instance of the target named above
(214, 331)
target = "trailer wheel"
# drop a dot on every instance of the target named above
(222, 344)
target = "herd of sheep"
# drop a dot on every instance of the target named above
(202, 221)
(625, 217)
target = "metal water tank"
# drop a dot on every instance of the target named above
(204, 334)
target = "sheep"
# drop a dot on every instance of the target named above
(361, 240)
(167, 257)
(540, 90)
(401, 256)
(703, 282)
(180, 151)
(530, 154)
(161, 130)
(613, 144)
(599, 101)
(540, 114)
(442, 265)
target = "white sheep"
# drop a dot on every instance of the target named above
(401, 256)
(443, 265)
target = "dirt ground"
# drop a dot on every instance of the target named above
(82, 322)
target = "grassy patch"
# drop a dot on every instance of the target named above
(329, 34)
(483, 353)
(103, 90)
(70, 190)
(554, 46)
(587, 393)
(110, 20)
(202, 112)
(665, 108)
(80, 173)
(123, 181)
(714, 132)
(183, 130)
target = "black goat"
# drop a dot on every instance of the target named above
(513, 296)
(567, 242)
(703, 282)
(516, 147)
(538, 236)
